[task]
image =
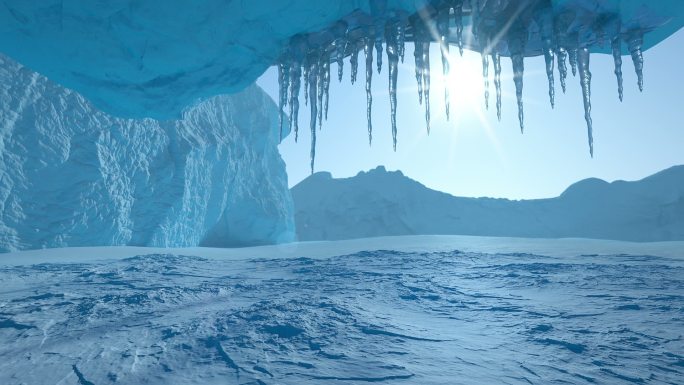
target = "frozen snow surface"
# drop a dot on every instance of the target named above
(379, 202)
(431, 315)
(72, 175)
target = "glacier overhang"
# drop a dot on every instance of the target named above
(154, 59)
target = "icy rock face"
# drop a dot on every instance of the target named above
(74, 176)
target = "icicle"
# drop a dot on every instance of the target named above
(378, 48)
(401, 39)
(283, 85)
(305, 74)
(458, 20)
(313, 88)
(295, 78)
(426, 82)
(418, 55)
(585, 81)
(484, 48)
(392, 62)
(635, 44)
(326, 84)
(341, 50)
(319, 88)
(368, 50)
(572, 58)
(475, 15)
(549, 59)
(516, 46)
(562, 66)
(518, 71)
(354, 61)
(443, 26)
(496, 58)
(616, 45)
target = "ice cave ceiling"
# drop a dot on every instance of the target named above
(137, 58)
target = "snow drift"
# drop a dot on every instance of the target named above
(378, 203)
(71, 175)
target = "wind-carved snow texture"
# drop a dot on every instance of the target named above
(74, 176)
(516, 29)
(377, 316)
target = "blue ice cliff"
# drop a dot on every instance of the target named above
(71, 175)
(156, 58)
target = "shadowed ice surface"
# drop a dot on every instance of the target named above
(376, 316)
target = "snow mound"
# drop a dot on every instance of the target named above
(71, 175)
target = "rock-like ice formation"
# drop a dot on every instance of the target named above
(140, 59)
(71, 175)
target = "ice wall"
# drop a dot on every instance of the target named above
(71, 175)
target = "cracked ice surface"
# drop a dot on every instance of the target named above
(421, 317)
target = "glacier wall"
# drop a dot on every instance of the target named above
(71, 175)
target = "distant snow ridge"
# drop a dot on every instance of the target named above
(380, 203)
(71, 175)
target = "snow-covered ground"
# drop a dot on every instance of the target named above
(404, 310)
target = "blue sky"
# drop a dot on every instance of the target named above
(475, 155)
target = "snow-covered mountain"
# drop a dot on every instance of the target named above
(379, 202)
(71, 175)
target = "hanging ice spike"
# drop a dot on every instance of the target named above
(562, 54)
(635, 43)
(283, 86)
(484, 47)
(549, 60)
(616, 46)
(516, 45)
(368, 50)
(585, 82)
(496, 58)
(310, 56)
(293, 97)
(392, 50)
(313, 102)
(443, 27)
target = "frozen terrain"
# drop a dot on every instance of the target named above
(378, 202)
(423, 313)
(71, 175)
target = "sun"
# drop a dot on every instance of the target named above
(465, 84)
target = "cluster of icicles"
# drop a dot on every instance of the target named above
(311, 62)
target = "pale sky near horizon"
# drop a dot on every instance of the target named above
(475, 155)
